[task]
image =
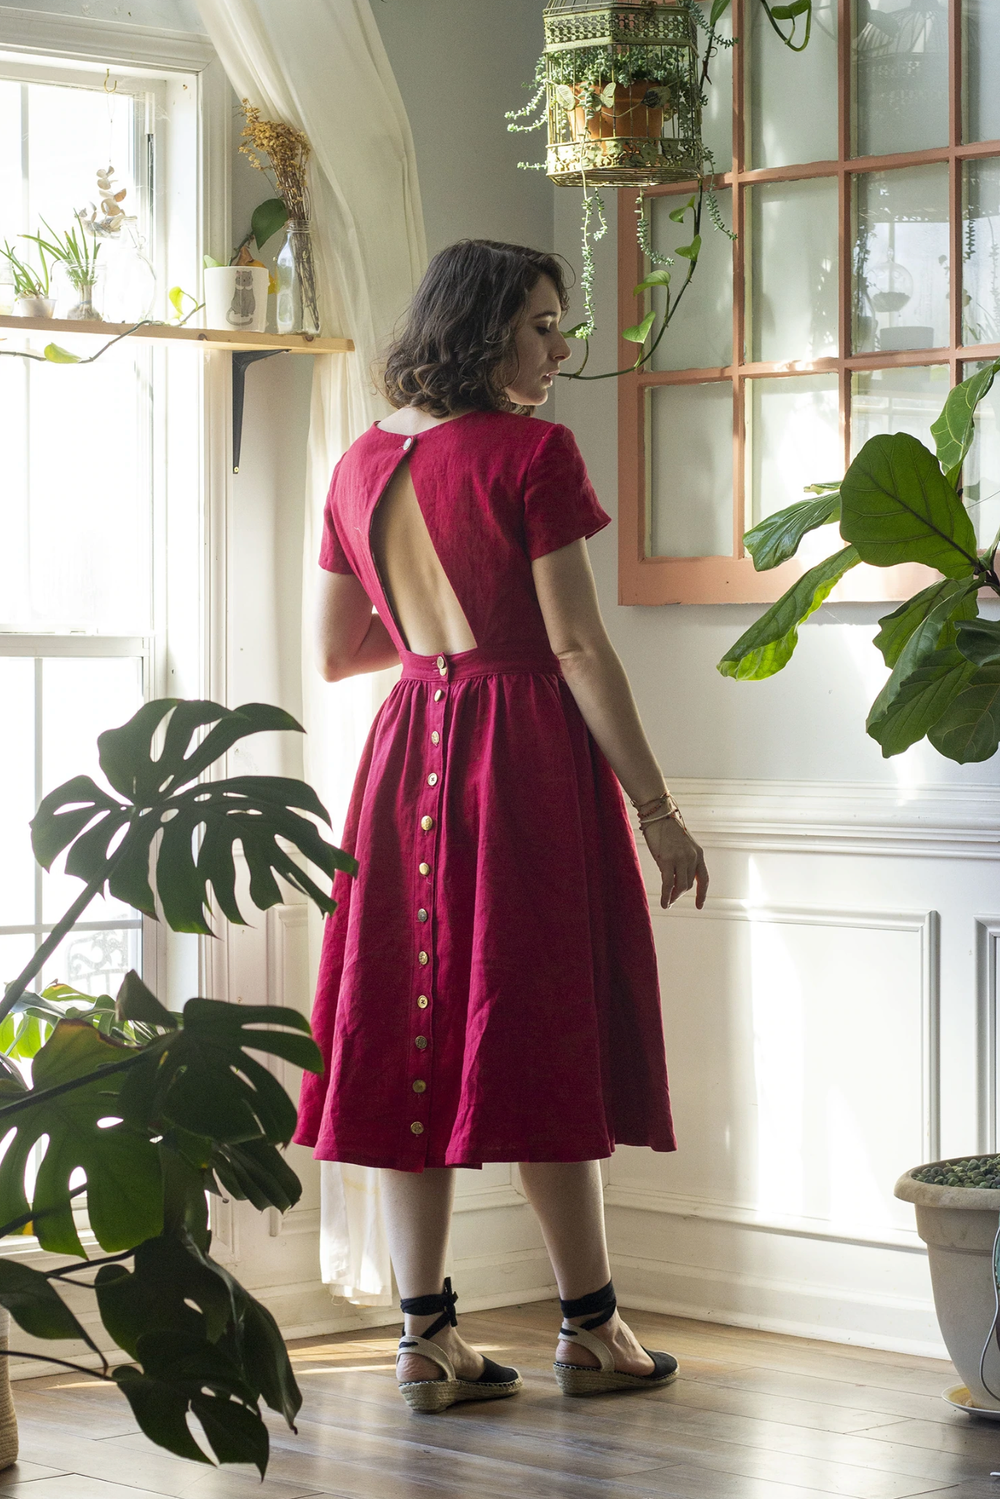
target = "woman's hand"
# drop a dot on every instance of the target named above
(680, 860)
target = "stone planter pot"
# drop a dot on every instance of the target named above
(8, 1420)
(959, 1225)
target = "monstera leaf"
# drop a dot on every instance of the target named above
(203, 1080)
(76, 1079)
(165, 797)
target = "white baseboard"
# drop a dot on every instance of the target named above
(799, 1309)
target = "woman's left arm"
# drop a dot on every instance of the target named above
(350, 637)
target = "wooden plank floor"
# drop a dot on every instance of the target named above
(753, 1416)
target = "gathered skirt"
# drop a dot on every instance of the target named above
(488, 986)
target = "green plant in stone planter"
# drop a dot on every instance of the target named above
(899, 502)
(76, 250)
(155, 1107)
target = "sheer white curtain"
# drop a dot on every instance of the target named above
(321, 67)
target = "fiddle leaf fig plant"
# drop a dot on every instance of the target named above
(154, 1108)
(897, 503)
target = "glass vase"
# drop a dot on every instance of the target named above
(297, 303)
(82, 294)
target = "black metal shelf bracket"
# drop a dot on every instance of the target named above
(241, 358)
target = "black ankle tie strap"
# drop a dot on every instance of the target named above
(425, 1306)
(603, 1303)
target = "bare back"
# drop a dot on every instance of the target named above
(422, 600)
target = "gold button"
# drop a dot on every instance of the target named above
(420, 1086)
(421, 914)
(432, 779)
(416, 1128)
(426, 823)
(423, 959)
(421, 1043)
(422, 1001)
(435, 737)
(439, 695)
(424, 868)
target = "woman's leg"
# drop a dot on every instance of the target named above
(417, 1209)
(568, 1199)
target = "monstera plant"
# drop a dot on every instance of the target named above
(899, 502)
(157, 1108)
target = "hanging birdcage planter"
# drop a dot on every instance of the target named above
(623, 98)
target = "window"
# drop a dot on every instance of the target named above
(88, 464)
(863, 282)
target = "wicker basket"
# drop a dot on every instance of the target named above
(8, 1420)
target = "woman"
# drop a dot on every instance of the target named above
(488, 990)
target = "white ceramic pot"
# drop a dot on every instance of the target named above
(236, 297)
(959, 1225)
(34, 306)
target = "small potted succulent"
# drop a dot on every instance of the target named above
(32, 296)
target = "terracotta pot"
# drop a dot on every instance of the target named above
(629, 116)
(958, 1225)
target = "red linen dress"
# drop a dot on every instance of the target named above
(487, 988)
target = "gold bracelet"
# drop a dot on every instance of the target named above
(653, 805)
(672, 810)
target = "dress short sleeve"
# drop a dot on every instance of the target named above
(560, 505)
(332, 557)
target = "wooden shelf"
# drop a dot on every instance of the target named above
(209, 338)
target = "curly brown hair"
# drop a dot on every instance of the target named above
(454, 352)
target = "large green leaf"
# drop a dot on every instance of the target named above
(36, 1305)
(896, 506)
(955, 427)
(921, 701)
(171, 1289)
(897, 627)
(970, 729)
(267, 218)
(205, 1081)
(776, 538)
(200, 823)
(124, 1198)
(768, 645)
(935, 630)
(255, 1343)
(979, 641)
(256, 1171)
(184, 1374)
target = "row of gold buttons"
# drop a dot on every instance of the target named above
(421, 1042)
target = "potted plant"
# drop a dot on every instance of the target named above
(236, 294)
(157, 1107)
(31, 287)
(900, 502)
(76, 252)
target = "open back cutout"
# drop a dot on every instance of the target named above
(424, 605)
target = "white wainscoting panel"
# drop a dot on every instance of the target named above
(830, 1020)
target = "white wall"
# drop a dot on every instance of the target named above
(830, 1017)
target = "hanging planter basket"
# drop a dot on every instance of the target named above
(622, 93)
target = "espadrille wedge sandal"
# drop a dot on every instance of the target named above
(576, 1380)
(433, 1395)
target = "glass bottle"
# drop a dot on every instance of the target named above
(297, 308)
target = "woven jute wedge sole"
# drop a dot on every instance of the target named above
(573, 1380)
(433, 1395)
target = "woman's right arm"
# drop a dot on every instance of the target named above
(567, 596)
(350, 637)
